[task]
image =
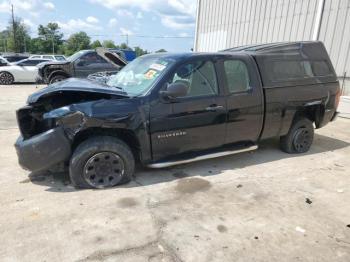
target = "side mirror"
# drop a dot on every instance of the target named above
(175, 90)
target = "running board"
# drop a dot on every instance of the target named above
(203, 157)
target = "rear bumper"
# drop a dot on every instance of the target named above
(44, 150)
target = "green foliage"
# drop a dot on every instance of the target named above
(139, 51)
(161, 51)
(18, 36)
(96, 44)
(108, 44)
(124, 46)
(76, 42)
(49, 38)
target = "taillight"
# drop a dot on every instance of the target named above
(337, 98)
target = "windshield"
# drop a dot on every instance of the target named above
(75, 56)
(138, 76)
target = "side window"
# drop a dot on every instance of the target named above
(321, 68)
(60, 58)
(291, 70)
(237, 76)
(92, 58)
(199, 76)
(28, 63)
(47, 57)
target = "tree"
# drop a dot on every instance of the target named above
(124, 46)
(4, 35)
(77, 42)
(22, 36)
(50, 38)
(108, 44)
(161, 51)
(96, 44)
(139, 51)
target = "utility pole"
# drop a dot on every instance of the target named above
(53, 44)
(14, 29)
(127, 39)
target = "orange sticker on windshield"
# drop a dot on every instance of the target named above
(150, 74)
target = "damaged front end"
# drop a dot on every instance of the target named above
(50, 121)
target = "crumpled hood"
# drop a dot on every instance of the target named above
(74, 85)
(41, 65)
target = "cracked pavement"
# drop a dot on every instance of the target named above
(260, 206)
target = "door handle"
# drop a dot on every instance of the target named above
(214, 108)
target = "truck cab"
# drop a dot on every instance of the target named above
(166, 109)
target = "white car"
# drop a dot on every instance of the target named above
(49, 57)
(22, 71)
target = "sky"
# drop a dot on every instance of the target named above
(150, 24)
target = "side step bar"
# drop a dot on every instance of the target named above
(202, 157)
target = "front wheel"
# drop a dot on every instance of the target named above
(101, 162)
(57, 78)
(299, 138)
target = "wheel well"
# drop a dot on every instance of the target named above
(314, 113)
(127, 136)
(7, 72)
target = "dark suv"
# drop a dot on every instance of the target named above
(80, 65)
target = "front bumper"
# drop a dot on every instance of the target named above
(44, 150)
(39, 80)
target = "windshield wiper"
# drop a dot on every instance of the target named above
(120, 88)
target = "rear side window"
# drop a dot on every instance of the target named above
(321, 68)
(60, 58)
(200, 76)
(290, 70)
(237, 76)
(31, 62)
(47, 57)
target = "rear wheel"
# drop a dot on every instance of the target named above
(57, 78)
(6, 78)
(299, 138)
(101, 162)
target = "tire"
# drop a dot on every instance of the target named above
(101, 162)
(299, 138)
(57, 78)
(6, 78)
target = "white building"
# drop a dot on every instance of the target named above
(227, 23)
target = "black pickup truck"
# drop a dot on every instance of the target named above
(166, 109)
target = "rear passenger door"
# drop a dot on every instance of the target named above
(244, 98)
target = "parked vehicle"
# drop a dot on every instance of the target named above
(80, 65)
(3, 61)
(15, 57)
(49, 57)
(127, 55)
(165, 109)
(22, 71)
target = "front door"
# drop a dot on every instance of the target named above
(194, 122)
